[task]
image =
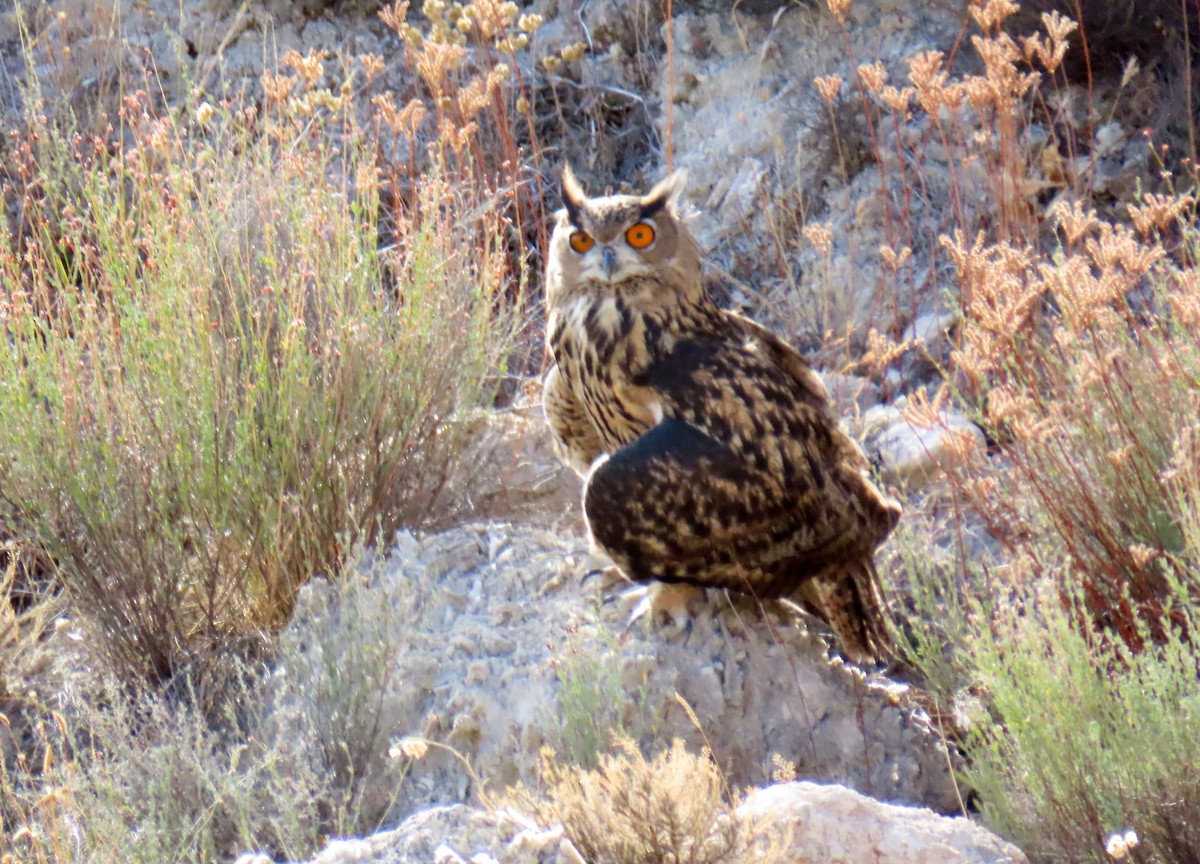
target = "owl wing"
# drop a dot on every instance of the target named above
(809, 387)
(574, 438)
(738, 486)
(741, 486)
(772, 415)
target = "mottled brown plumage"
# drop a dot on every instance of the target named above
(708, 447)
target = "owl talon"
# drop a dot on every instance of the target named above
(642, 595)
(605, 573)
(596, 561)
(662, 602)
(600, 566)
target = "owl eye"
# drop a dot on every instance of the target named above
(640, 235)
(581, 241)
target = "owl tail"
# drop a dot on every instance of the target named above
(850, 600)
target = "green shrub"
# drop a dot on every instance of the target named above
(1079, 644)
(591, 699)
(216, 378)
(1074, 738)
(1099, 739)
(149, 779)
(1067, 659)
(291, 756)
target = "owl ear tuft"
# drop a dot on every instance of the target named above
(573, 195)
(665, 194)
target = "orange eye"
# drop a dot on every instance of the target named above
(581, 241)
(640, 235)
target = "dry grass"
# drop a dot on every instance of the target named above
(673, 809)
(203, 389)
(1078, 353)
(1088, 365)
(991, 133)
(1160, 35)
(219, 380)
(1085, 366)
(240, 339)
(1079, 360)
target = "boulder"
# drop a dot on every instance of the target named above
(819, 823)
(915, 456)
(836, 825)
(488, 640)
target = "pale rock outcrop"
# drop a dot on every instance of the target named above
(915, 455)
(836, 825)
(819, 824)
(495, 646)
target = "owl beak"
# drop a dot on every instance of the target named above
(609, 259)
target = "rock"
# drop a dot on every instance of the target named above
(932, 327)
(836, 825)
(455, 834)
(826, 823)
(516, 472)
(493, 645)
(850, 394)
(913, 456)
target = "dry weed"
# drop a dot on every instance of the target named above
(218, 381)
(672, 809)
(1085, 365)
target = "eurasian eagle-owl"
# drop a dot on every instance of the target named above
(708, 448)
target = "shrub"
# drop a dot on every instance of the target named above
(670, 810)
(1082, 365)
(149, 779)
(290, 757)
(591, 699)
(1098, 740)
(1067, 660)
(1070, 737)
(1087, 365)
(989, 134)
(216, 381)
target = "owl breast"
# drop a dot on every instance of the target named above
(601, 348)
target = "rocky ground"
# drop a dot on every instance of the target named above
(496, 620)
(492, 631)
(497, 646)
(826, 824)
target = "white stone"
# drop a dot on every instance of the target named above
(913, 455)
(932, 327)
(831, 824)
(349, 852)
(445, 855)
(836, 825)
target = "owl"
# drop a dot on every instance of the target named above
(709, 452)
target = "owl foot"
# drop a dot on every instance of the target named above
(662, 600)
(597, 565)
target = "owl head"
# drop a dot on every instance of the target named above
(621, 244)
